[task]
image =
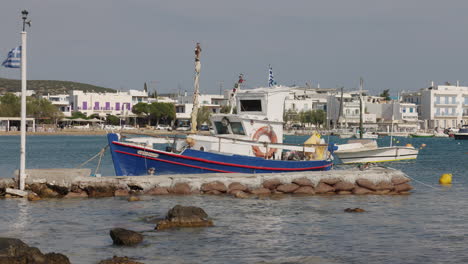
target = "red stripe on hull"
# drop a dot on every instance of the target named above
(172, 162)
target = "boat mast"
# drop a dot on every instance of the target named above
(196, 88)
(340, 115)
(361, 110)
(393, 113)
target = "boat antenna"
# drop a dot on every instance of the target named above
(196, 88)
(361, 128)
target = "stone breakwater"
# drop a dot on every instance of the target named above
(69, 183)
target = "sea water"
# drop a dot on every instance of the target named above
(428, 226)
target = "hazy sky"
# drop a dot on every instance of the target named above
(120, 44)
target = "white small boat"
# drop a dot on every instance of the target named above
(367, 135)
(363, 151)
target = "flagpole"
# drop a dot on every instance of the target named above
(22, 174)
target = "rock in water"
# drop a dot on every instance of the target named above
(125, 237)
(15, 251)
(184, 216)
(119, 260)
(354, 210)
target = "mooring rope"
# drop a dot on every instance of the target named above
(100, 153)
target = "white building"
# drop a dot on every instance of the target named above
(119, 103)
(441, 106)
(62, 101)
(184, 105)
(305, 99)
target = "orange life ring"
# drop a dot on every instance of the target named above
(266, 130)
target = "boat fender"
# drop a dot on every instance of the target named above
(264, 131)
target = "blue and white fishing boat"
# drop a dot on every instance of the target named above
(250, 141)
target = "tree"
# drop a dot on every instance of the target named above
(42, 109)
(10, 105)
(204, 114)
(142, 110)
(113, 120)
(386, 94)
(78, 114)
(164, 112)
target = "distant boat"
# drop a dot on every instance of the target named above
(422, 135)
(364, 151)
(462, 133)
(367, 135)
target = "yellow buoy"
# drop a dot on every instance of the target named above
(446, 178)
(398, 142)
(423, 145)
(409, 145)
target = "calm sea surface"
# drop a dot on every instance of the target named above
(428, 226)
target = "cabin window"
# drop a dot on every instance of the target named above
(237, 128)
(251, 105)
(220, 128)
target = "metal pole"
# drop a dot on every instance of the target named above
(22, 174)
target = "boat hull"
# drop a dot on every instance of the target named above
(133, 160)
(384, 154)
(463, 136)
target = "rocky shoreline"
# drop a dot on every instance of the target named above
(71, 183)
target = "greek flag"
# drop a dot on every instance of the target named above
(271, 81)
(14, 58)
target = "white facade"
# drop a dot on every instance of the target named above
(119, 103)
(441, 106)
(62, 101)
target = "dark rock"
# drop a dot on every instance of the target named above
(344, 192)
(271, 184)
(62, 191)
(400, 180)
(100, 191)
(260, 191)
(403, 187)
(381, 192)
(15, 251)
(135, 187)
(213, 186)
(303, 182)
(367, 184)
(344, 186)
(157, 191)
(56, 258)
(119, 260)
(305, 190)
(236, 186)
(354, 210)
(43, 191)
(124, 237)
(184, 216)
(323, 188)
(287, 188)
(330, 181)
(181, 188)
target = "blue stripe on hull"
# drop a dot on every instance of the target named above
(132, 160)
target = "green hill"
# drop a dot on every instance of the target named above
(51, 87)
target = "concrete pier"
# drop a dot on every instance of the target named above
(78, 183)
